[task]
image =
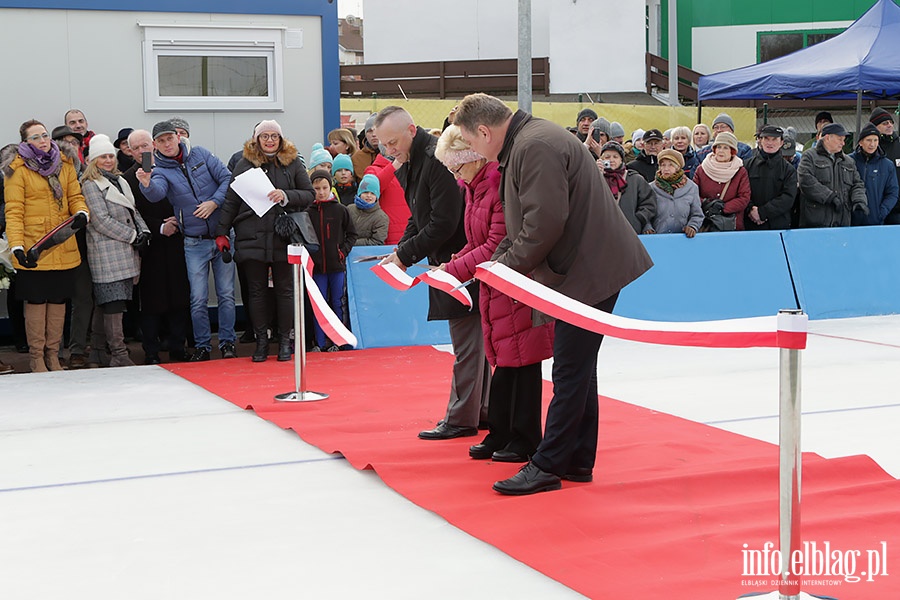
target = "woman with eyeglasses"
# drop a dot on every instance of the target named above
(257, 248)
(41, 191)
(513, 345)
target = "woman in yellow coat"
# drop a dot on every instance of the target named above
(42, 191)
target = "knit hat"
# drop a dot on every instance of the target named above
(319, 156)
(100, 145)
(585, 112)
(163, 127)
(341, 161)
(879, 115)
(370, 122)
(616, 130)
(726, 139)
(724, 118)
(789, 147)
(667, 134)
(321, 174)
(616, 147)
(671, 154)
(637, 134)
(824, 116)
(868, 130)
(266, 127)
(123, 135)
(601, 124)
(369, 183)
(180, 123)
(836, 129)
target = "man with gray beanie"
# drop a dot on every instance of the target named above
(195, 182)
(586, 116)
(723, 123)
(368, 148)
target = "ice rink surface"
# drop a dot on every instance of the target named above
(133, 483)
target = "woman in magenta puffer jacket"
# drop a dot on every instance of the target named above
(514, 346)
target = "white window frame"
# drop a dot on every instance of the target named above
(213, 40)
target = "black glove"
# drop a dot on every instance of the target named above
(80, 221)
(142, 240)
(23, 259)
(712, 206)
(862, 207)
(835, 199)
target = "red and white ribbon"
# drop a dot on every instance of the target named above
(783, 331)
(400, 280)
(332, 326)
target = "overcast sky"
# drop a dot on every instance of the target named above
(350, 7)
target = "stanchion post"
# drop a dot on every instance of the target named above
(789, 467)
(300, 393)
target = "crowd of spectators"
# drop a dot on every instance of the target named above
(156, 212)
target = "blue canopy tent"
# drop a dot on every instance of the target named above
(859, 63)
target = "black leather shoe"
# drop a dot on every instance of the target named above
(261, 352)
(228, 350)
(445, 431)
(509, 456)
(529, 480)
(150, 359)
(481, 451)
(579, 474)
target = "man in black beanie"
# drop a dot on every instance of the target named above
(585, 117)
(888, 141)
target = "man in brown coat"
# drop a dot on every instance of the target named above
(564, 228)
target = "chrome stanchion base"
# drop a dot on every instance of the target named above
(778, 596)
(300, 397)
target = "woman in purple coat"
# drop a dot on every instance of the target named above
(514, 346)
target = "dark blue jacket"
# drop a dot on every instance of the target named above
(880, 177)
(691, 162)
(199, 178)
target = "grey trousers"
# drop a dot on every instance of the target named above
(471, 373)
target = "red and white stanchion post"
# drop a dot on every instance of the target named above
(300, 393)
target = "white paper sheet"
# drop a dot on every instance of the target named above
(253, 187)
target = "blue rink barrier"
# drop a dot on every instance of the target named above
(842, 272)
(709, 277)
(847, 271)
(381, 316)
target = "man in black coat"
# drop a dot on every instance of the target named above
(890, 143)
(773, 183)
(646, 163)
(435, 231)
(164, 290)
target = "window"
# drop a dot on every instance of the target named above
(212, 68)
(775, 44)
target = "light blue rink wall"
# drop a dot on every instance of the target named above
(846, 272)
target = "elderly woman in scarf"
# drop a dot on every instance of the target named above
(723, 182)
(114, 235)
(513, 344)
(42, 191)
(677, 197)
(636, 200)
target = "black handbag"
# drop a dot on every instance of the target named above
(715, 218)
(297, 228)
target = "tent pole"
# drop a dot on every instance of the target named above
(858, 113)
(699, 111)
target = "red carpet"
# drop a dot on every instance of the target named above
(669, 512)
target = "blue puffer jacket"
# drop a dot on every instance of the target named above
(199, 178)
(880, 177)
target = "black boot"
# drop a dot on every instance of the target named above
(285, 346)
(262, 345)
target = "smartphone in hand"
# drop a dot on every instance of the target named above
(146, 162)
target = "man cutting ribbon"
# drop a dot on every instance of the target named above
(564, 228)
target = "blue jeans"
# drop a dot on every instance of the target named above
(199, 254)
(332, 287)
